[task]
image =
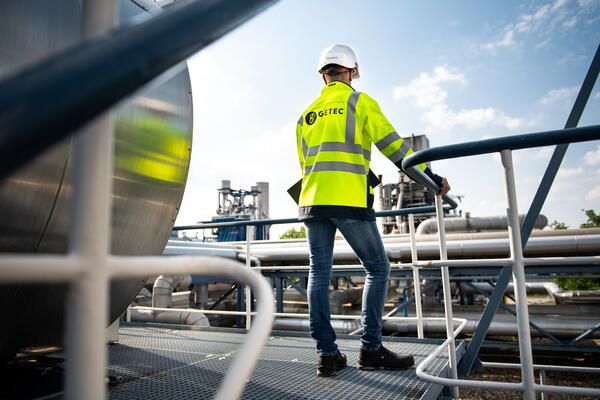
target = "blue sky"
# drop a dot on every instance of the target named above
(455, 71)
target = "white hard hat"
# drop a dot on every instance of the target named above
(339, 54)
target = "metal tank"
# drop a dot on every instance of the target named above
(153, 135)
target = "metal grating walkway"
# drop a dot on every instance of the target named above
(160, 363)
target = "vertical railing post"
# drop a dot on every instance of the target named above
(248, 292)
(416, 279)
(518, 272)
(89, 239)
(447, 290)
(543, 396)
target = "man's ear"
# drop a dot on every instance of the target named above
(323, 75)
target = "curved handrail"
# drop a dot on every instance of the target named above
(419, 176)
(515, 142)
(420, 372)
(97, 73)
(246, 357)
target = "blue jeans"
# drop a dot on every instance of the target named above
(364, 239)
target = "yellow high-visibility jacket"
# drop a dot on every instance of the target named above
(334, 137)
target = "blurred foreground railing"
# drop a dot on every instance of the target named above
(44, 103)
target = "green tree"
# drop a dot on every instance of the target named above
(578, 283)
(558, 225)
(593, 219)
(581, 283)
(293, 233)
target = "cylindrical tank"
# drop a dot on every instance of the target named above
(153, 134)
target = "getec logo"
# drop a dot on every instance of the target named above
(311, 117)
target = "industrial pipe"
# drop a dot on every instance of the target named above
(337, 298)
(193, 318)
(208, 249)
(567, 329)
(469, 224)
(532, 288)
(340, 326)
(572, 296)
(546, 246)
(164, 286)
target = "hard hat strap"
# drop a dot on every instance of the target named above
(334, 69)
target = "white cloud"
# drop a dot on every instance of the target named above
(592, 157)
(223, 150)
(507, 41)
(597, 95)
(559, 94)
(544, 153)
(542, 21)
(426, 90)
(570, 23)
(441, 117)
(569, 173)
(543, 43)
(593, 194)
(586, 3)
(592, 20)
(558, 4)
(532, 22)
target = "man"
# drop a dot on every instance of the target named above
(334, 137)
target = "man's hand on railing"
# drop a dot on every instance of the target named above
(445, 187)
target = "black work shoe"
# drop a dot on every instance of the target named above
(383, 358)
(329, 365)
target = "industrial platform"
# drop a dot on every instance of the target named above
(151, 362)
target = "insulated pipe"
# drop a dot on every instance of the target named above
(178, 299)
(546, 246)
(337, 298)
(404, 238)
(467, 223)
(340, 326)
(572, 296)
(565, 329)
(191, 318)
(532, 288)
(557, 327)
(164, 286)
(191, 243)
(205, 249)
(194, 250)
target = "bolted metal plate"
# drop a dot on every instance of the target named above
(159, 363)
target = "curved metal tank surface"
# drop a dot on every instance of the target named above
(153, 134)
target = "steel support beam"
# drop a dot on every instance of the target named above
(297, 287)
(511, 311)
(585, 334)
(279, 293)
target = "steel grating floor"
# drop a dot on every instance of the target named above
(152, 362)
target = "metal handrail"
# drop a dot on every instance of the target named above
(517, 261)
(260, 222)
(246, 357)
(514, 142)
(99, 72)
(419, 176)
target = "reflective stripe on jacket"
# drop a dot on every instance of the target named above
(334, 137)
